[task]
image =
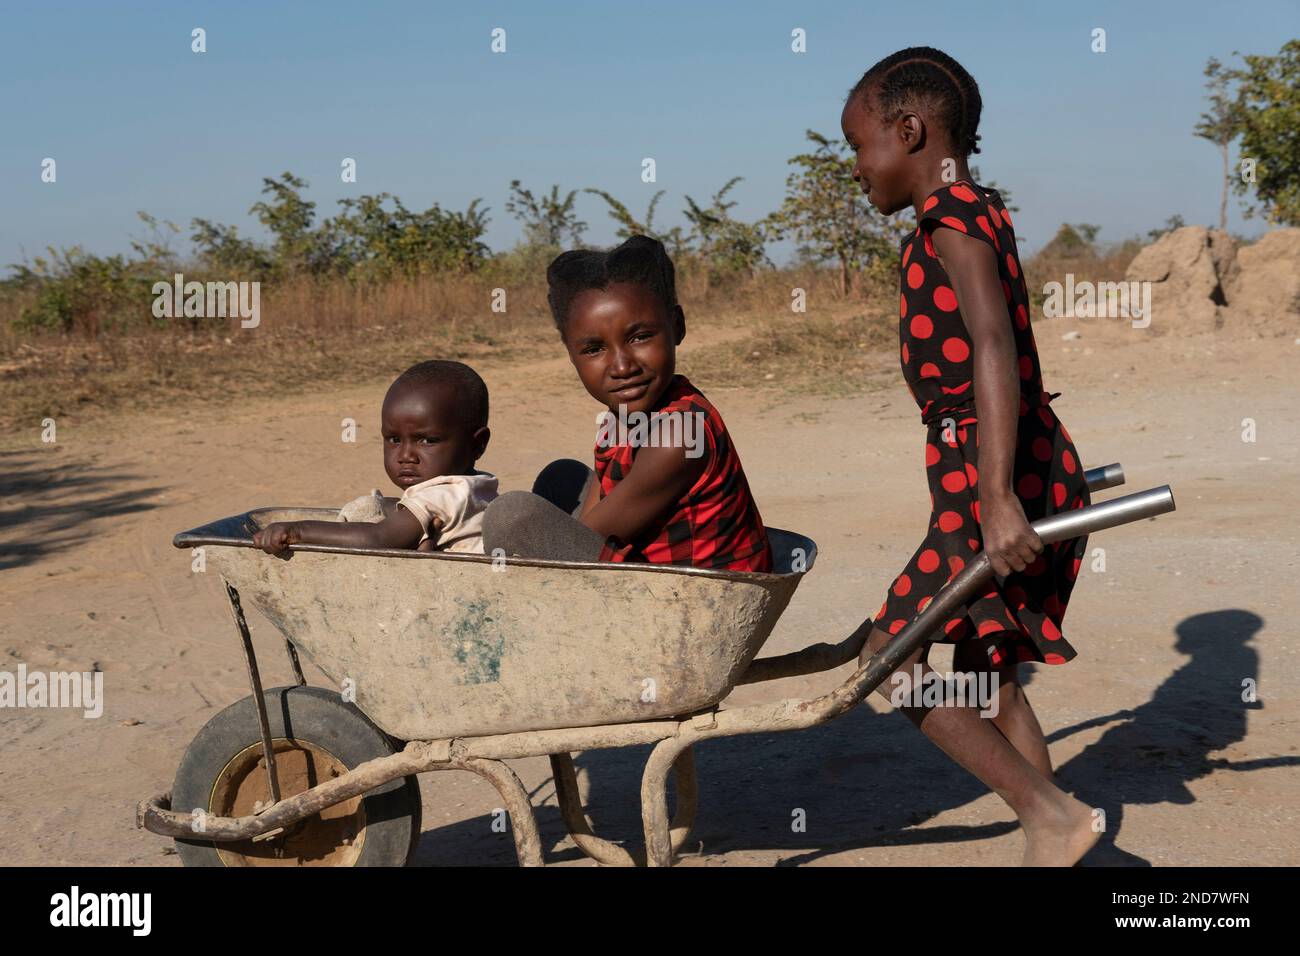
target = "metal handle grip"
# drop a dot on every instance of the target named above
(1105, 514)
(1105, 476)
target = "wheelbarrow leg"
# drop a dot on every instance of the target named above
(523, 823)
(575, 820)
(662, 838)
(603, 851)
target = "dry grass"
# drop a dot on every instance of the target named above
(322, 334)
(834, 351)
(309, 334)
(314, 334)
(1105, 267)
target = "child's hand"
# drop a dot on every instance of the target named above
(1009, 541)
(435, 531)
(275, 538)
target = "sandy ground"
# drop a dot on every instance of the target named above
(1148, 723)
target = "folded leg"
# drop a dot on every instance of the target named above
(565, 483)
(520, 524)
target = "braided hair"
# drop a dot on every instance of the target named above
(639, 260)
(922, 76)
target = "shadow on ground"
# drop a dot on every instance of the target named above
(869, 780)
(49, 503)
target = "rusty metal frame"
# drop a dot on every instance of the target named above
(255, 683)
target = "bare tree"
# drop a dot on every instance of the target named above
(1221, 123)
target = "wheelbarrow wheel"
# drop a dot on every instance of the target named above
(315, 736)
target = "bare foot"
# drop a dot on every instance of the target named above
(1061, 835)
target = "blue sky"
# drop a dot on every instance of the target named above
(412, 91)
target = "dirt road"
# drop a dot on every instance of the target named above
(1148, 723)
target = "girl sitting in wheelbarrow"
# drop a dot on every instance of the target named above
(668, 486)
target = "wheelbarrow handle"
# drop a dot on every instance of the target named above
(823, 657)
(1105, 514)
(954, 595)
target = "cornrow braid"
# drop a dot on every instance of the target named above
(922, 76)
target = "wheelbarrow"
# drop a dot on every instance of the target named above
(446, 661)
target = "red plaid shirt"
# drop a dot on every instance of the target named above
(715, 524)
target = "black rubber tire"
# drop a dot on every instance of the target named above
(314, 715)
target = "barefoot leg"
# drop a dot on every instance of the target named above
(1058, 828)
(1015, 717)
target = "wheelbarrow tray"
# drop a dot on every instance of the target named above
(436, 645)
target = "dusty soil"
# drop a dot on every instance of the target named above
(1148, 723)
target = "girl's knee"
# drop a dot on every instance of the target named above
(511, 506)
(563, 483)
(877, 640)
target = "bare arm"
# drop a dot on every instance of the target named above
(658, 478)
(399, 529)
(971, 264)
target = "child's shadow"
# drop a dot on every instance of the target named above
(1165, 744)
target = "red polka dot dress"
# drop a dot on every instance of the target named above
(1020, 618)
